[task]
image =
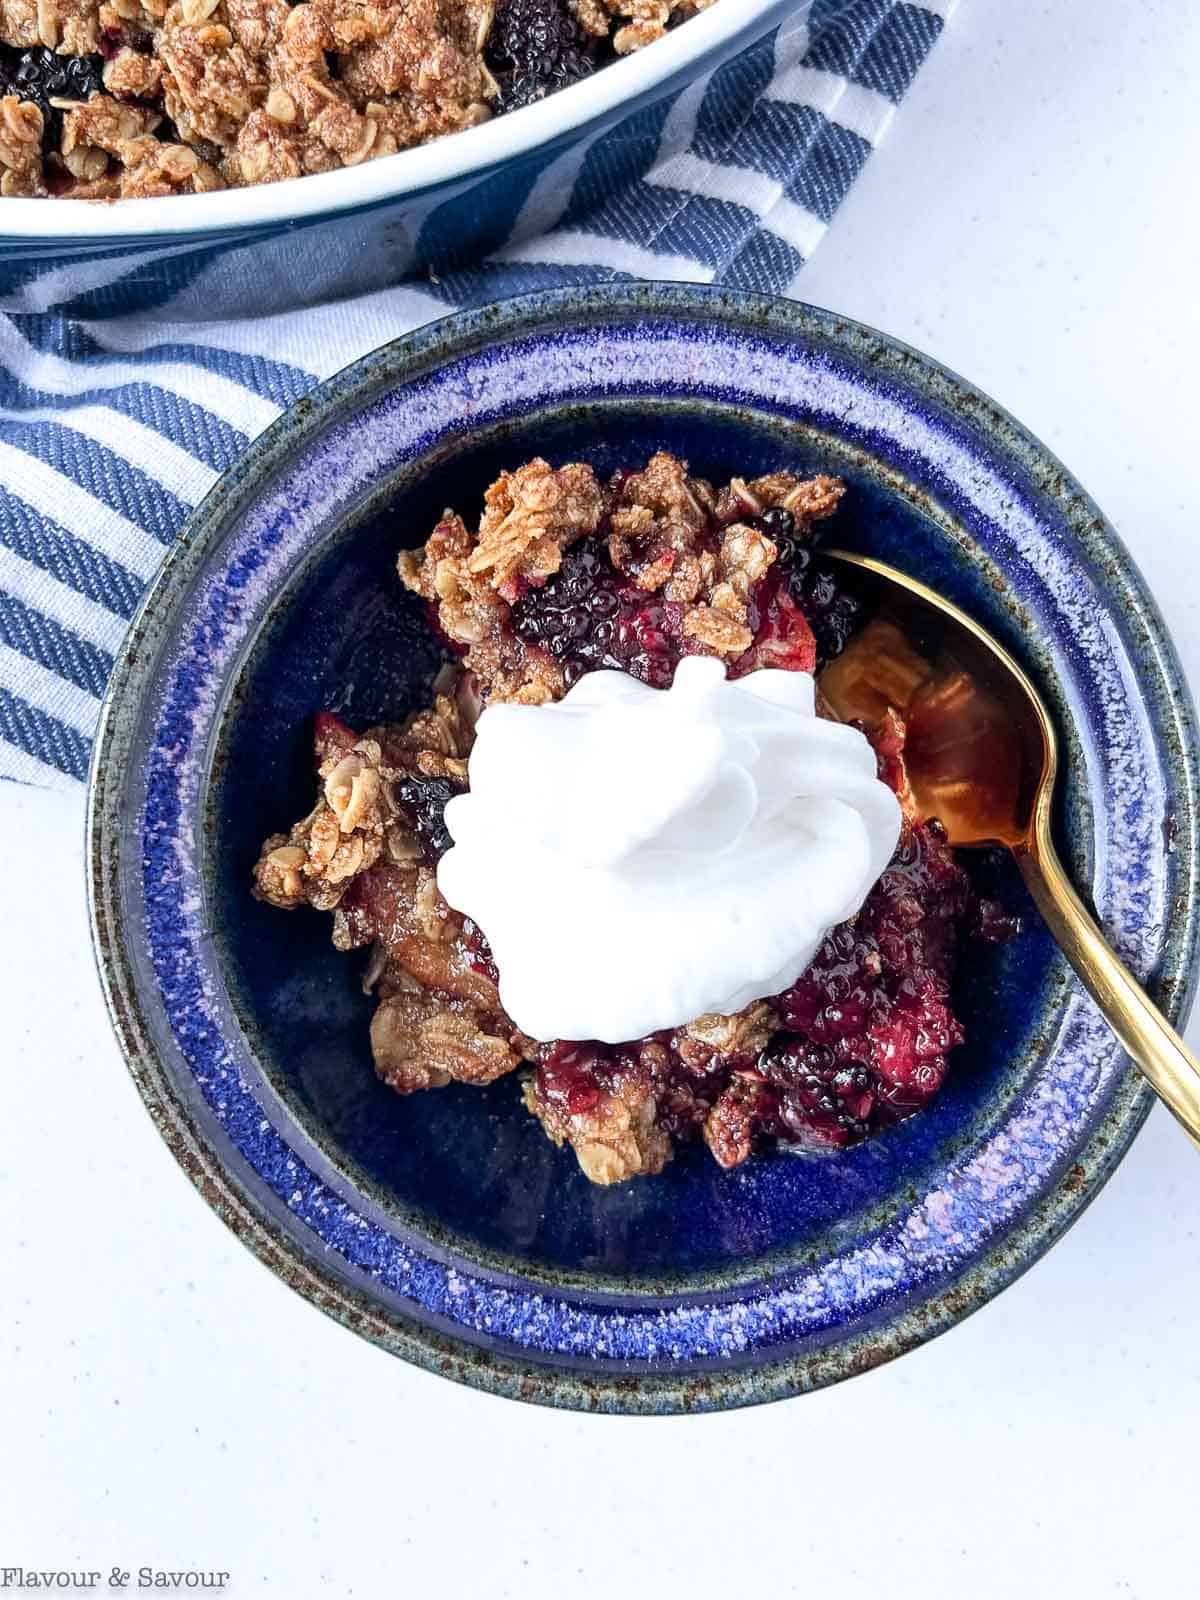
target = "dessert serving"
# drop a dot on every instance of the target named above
(102, 99)
(650, 847)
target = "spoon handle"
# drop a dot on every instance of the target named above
(1171, 1068)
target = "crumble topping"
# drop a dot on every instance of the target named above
(346, 832)
(716, 631)
(529, 515)
(20, 147)
(615, 1138)
(638, 22)
(669, 533)
(743, 1034)
(420, 1041)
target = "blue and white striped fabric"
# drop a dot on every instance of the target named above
(112, 429)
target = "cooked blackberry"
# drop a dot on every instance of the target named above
(589, 615)
(41, 76)
(832, 614)
(425, 801)
(114, 40)
(868, 1025)
(536, 47)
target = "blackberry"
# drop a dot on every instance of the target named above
(833, 615)
(425, 801)
(588, 615)
(113, 40)
(779, 525)
(868, 1025)
(40, 76)
(536, 47)
(820, 1104)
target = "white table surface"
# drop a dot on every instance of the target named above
(1031, 220)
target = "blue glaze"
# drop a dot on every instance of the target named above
(449, 1211)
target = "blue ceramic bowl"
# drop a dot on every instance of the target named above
(444, 1226)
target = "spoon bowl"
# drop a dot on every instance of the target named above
(980, 754)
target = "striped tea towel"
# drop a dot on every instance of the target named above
(112, 429)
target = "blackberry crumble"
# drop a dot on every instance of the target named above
(105, 99)
(564, 575)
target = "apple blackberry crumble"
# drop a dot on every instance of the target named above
(566, 576)
(102, 99)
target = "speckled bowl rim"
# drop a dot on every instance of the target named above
(220, 1181)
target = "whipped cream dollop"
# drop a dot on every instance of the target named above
(640, 857)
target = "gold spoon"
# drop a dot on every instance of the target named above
(982, 757)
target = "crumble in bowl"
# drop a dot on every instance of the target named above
(566, 574)
(106, 99)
